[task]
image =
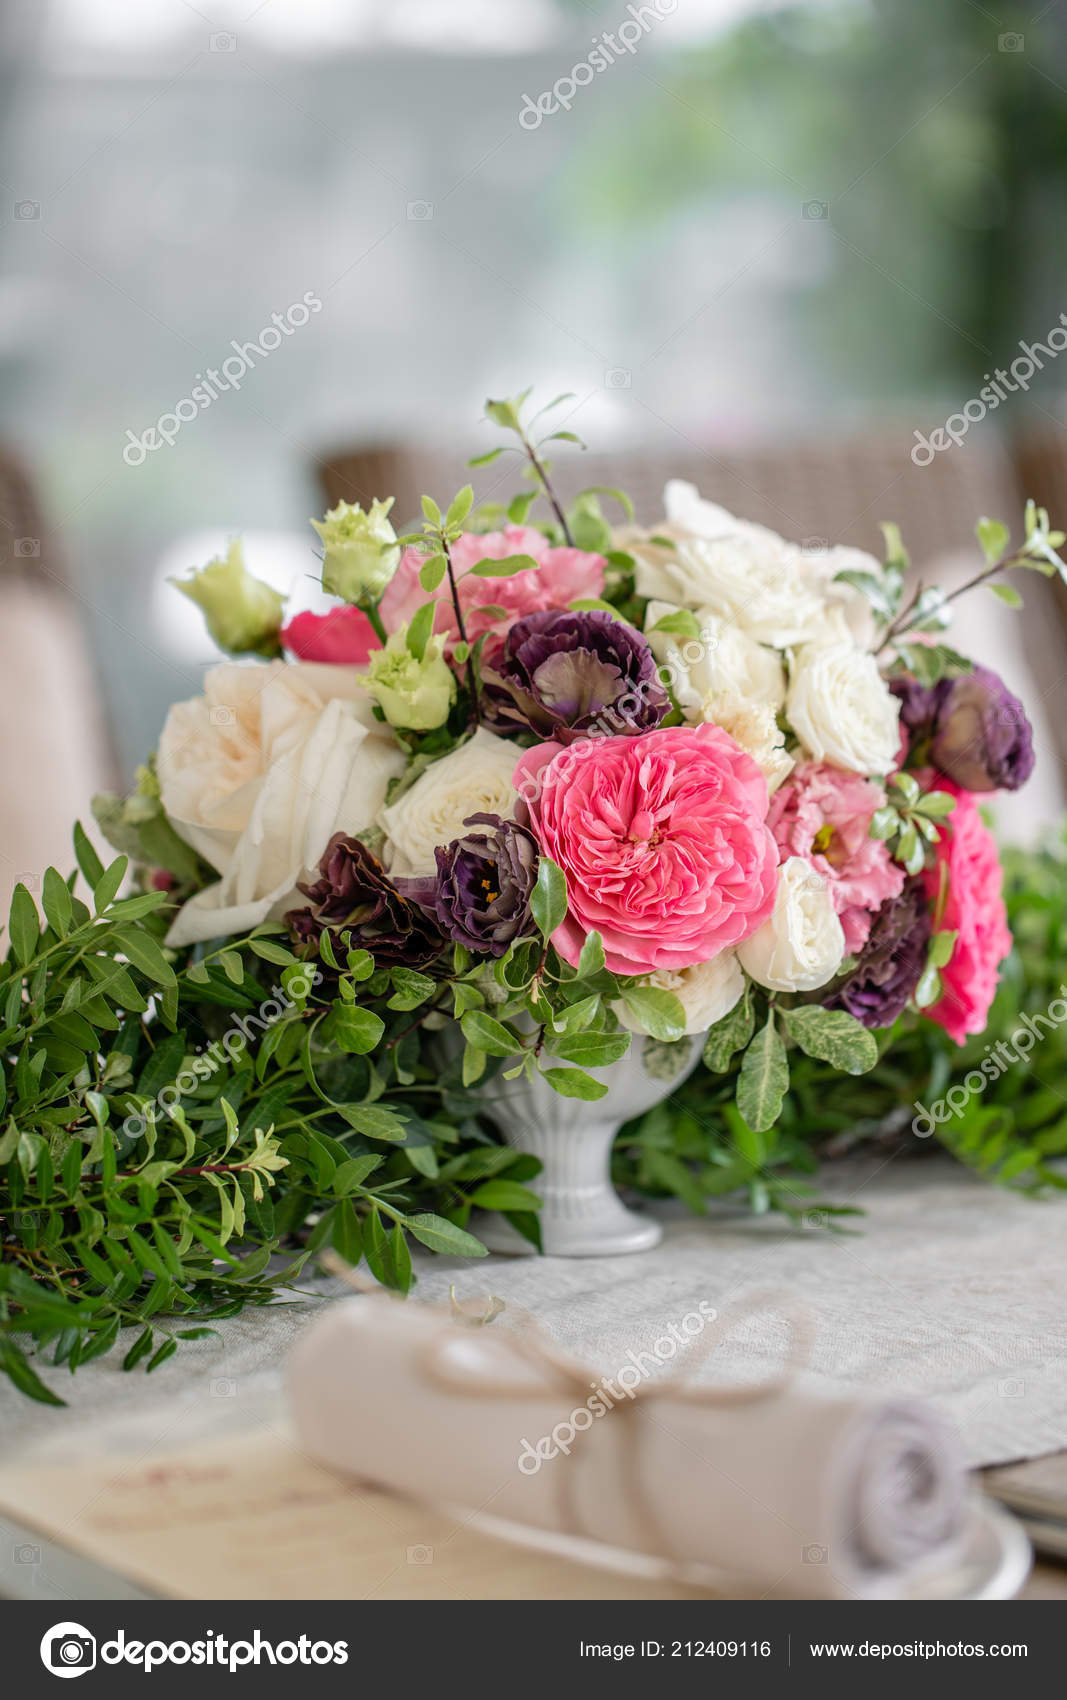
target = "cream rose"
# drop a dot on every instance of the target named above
(802, 944)
(842, 710)
(257, 775)
(706, 992)
(475, 779)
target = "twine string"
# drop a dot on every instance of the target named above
(569, 1376)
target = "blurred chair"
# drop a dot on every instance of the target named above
(838, 489)
(826, 489)
(54, 751)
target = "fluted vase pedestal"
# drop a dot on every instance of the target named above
(581, 1214)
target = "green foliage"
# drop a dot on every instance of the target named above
(909, 821)
(181, 1133)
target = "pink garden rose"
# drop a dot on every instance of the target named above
(663, 840)
(975, 910)
(343, 636)
(561, 576)
(824, 814)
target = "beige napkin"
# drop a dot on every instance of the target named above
(790, 1491)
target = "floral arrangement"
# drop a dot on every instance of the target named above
(537, 788)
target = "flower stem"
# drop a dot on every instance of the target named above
(546, 485)
(371, 611)
(454, 588)
(900, 624)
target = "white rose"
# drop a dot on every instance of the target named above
(706, 992)
(258, 774)
(822, 566)
(778, 592)
(475, 779)
(744, 573)
(724, 676)
(802, 945)
(723, 660)
(842, 709)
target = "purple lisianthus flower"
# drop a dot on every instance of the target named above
(480, 896)
(981, 735)
(891, 962)
(566, 674)
(355, 895)
(971, 728)
(918, 703)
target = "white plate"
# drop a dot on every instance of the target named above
(991, 1561)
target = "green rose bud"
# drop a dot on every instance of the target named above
(243, 614)
(362, 552)
(415, 692)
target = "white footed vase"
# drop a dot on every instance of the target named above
(581, 1213)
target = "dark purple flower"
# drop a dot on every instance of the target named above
(891, 962)
(481, 894)
(564, 675)
(355, 895)
(970, 727)
(917, 703)
(981, 736)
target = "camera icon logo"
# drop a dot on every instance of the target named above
(224, 1388)
(420, 1555)
(816, 1554)
(815, 209)
(1011, 43)
(1011, 1389)
(28, 548)
(27, 209)
(68, 1649)
(617, 378)
(223, 42)
(420, 209)
(26, 1555)
(222, 715)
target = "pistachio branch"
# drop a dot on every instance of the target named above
(546, 485)
(901, 624)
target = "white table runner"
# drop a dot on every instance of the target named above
(953, 1290)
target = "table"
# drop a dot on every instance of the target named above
(955, 1292)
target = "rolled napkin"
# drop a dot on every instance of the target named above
(771, 1485)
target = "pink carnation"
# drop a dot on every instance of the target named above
(344, 636)
(824, 814)
(663, 840)
(975, 910)
(561, 576)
